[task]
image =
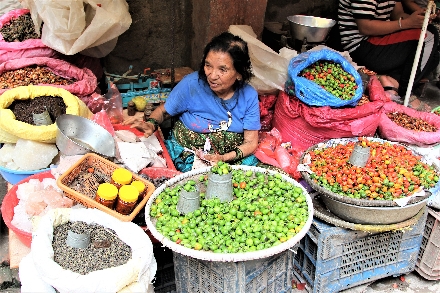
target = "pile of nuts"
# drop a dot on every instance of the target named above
(410, 122)
(31, 75)
(19, 29)
(363, 100)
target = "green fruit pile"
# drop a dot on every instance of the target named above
(221, 168)
(266, 210)
(332, 77)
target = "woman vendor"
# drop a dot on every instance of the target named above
(218, 111)
(381, 37)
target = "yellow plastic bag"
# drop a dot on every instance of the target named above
(11, 129)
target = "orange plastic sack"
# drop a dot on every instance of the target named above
(391, 131)
(305, 126)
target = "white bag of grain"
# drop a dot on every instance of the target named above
(134, 276)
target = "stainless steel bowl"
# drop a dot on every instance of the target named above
(313, 29)
(372, 215)
(77, 135)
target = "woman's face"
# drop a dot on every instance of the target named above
(220, 73)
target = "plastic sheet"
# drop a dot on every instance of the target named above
(71, 26)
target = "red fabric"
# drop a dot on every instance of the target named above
(398, 37)
(304, 126)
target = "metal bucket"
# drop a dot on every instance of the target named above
(77, 240)
(188, 201)
(42, 118)
(219, 186)
(313, 29)
(359, 156)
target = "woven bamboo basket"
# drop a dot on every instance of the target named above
(225, 257)
(80, 187)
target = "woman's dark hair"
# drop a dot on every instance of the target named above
(237, 49)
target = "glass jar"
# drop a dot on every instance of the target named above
(127, 199)
(121, 177)
(106, 195)
(140, 186)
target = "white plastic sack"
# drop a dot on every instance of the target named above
(88, 26)
(41, 272)
(269, 67)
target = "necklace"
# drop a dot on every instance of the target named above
(224, 125)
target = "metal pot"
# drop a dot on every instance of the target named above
(313, 29)
(372, 215)
(77, 135)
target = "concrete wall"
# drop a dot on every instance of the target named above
(160, 35)
(174, 32)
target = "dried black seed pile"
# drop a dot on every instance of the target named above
(106, 249)
(23, 109)
(19, 29)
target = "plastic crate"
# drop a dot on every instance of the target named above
(88, 187)
(330, 259)
(270, 275)
(165, 281)
(428, 261)
(151, 96)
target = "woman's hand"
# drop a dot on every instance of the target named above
(139, 123)
(131, 120)
(146, 127)
(213, 158)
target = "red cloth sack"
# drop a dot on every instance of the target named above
(25, 49)
(86, 82)
(390, 130)
(304, 126)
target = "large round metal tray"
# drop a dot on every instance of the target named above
(373, 215)
(225, 257)
(323, 213)
(353, 201)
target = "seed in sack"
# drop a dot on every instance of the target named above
(331, 77)
(106, 249)
(24, 110)
(31, 75)
(19, 29)
(411, 123)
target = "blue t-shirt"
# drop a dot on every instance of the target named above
(199, 107)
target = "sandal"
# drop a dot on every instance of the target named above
(390, 88)
(416, 104)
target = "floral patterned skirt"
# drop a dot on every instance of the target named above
(222, 142)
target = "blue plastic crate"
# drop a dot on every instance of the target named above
(330, 259)
(270, 275)
(428, 261)
(156, 95)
